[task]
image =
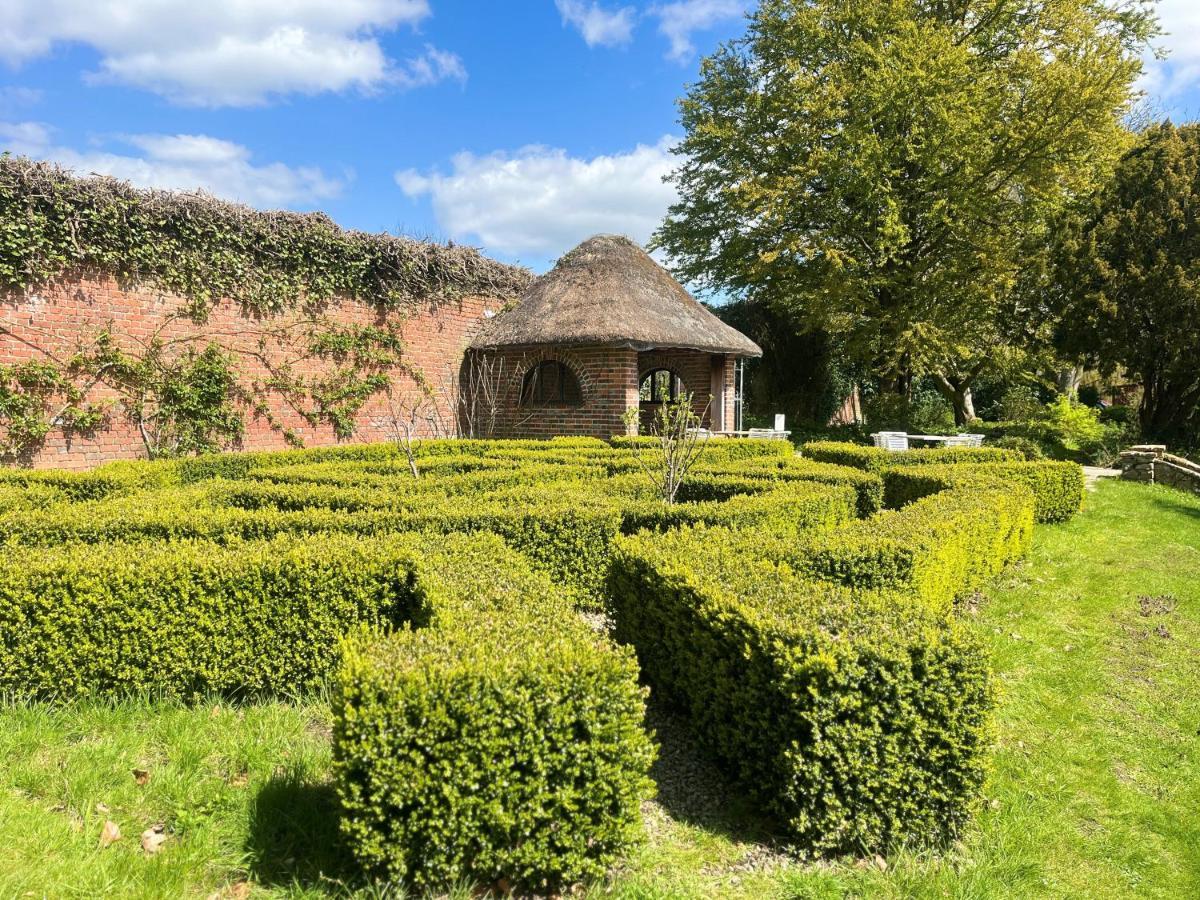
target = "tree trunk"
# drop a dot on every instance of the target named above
(958, 392)
(1067, 381)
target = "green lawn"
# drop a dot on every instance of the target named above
(1095, 790)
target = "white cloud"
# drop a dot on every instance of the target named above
(1180, 71)
(227, 52)
(677, 21)
(540, 201)
(599, 26)
(181, 162)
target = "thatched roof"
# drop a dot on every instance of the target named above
(609, 292)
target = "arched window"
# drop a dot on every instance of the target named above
(551, 383)
(659, 386)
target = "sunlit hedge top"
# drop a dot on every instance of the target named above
(205, 249)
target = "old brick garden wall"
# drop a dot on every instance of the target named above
(54, 321)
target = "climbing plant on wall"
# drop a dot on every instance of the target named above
(187, 392)
(205, 249)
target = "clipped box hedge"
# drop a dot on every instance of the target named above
(193, 617)
(876, 459)
(716, 449)
(495, 747)
(938, 548)
(859, 720)
(867, 485)
(1058, 487)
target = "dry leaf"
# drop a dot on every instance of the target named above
(153, 839)
(109, 833)
(141, 776)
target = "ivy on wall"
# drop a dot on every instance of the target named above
(204, 249)
(186, 395)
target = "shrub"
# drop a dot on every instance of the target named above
(937, 548)
(875, 459)
(187, 618)
(867, 486)
(1029, 449)
(1058, 487)
(787, 507)
(719, 449)
(499, 748)
(859, 720)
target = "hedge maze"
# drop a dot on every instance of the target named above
(800, 610)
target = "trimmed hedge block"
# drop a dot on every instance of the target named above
(859, 720)
(1058, 487)
(938, 548)
(876, 459)
(503, 749)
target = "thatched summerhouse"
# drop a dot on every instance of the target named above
(605, 331)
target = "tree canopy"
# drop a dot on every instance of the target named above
(888, 170)
(1131, 281)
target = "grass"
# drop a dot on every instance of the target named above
(1094, 791)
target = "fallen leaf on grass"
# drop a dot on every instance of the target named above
(153, 838)
(141, 776)
(110, 833)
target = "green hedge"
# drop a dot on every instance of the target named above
(867, 485)
(565, 529)
(191, 617)
(860, 721)
(938, 548)
(717, 449)
(492, 747)
(1058, 487)
(784, 508)
(875, 459)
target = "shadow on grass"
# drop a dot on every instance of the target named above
(294, 839)
(693, 790)
(1176, 501)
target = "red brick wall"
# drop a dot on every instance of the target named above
(53, 321)
(608, 380)
(695, 370)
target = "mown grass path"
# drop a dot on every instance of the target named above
(1095, 790)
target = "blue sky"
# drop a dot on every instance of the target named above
(520, 126)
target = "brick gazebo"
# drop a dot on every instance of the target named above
(605, 331)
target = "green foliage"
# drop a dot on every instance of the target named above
(858, 720)
(1058, 487)
(921, 412)
(1063, 429)
(1028, 448)
(503, 742)
(876, 459)
(1131, 276)
(890, 172)
(801, 374)
(188, 618)
(204, 249)
(938, 548)
(27, 392)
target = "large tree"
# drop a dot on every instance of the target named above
(888, 169)
(1131, 280)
